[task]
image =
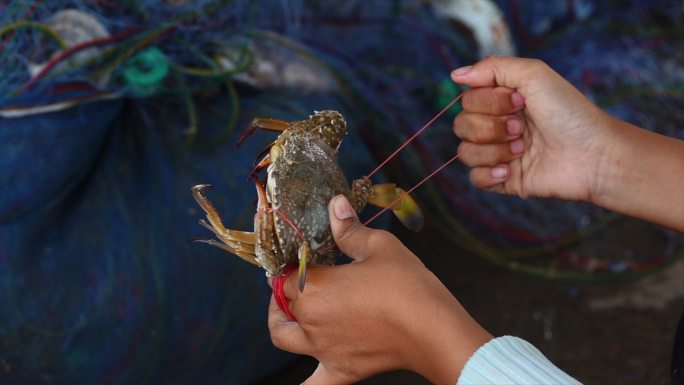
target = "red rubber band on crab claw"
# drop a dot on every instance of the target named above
(279, 291)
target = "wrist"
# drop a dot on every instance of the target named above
(641, 175)
(606, 171)
(446, 344)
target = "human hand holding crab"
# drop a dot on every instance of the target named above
(383, 311)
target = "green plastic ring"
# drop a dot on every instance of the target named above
(146, 70)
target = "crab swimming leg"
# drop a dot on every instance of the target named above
(401, 203)
(267, 124)
(240, 243)
(267, 249)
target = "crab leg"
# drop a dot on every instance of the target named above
(267, 247)
(387, 195)
(243, 245)
(267, 124)
(266, 225)
(265, 157)
(401, 203)
(246, 256)
(240, 243)
(360, 191)
(265, 161)
(215, 219)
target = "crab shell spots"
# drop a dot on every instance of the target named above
(331, 127)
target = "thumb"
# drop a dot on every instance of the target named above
(322, 376)
(351, 236)
(511, 72)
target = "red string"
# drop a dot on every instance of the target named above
(282, 215)
(416, 134)
(279, 291)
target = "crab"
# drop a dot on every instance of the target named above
(291, 225)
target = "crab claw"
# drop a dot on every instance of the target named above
(198, 240)
(246, 133)
(259, 165)
(267, 124)
(402, 204)
(408, 212)
(201, 187)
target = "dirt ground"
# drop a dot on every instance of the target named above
(599, 333)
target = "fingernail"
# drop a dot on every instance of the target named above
(342, 208)
(513, 127)
(499, 172)
(461, 71)
(517, 100)
(517, 146)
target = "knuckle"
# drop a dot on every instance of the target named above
(462, 151)
(382, 236)
(376, 237)
(537, 67)
(378, 240)
(536, 63)
(474, 177)
(321, 344)
(467, 127)
(467, 100)
(465, 153)
(277, 341)
(347, 231)
(490, 59)
(350, 372)
(460, 123)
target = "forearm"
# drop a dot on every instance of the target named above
(642, 175)
(442, 350)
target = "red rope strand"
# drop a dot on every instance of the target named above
(282, 215)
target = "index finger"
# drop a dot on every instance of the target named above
(497, 71)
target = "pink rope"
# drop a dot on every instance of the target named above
(412, 188)
(416, 134)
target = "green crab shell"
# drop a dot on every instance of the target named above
(300, 183)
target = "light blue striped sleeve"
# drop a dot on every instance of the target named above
(511, 360)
